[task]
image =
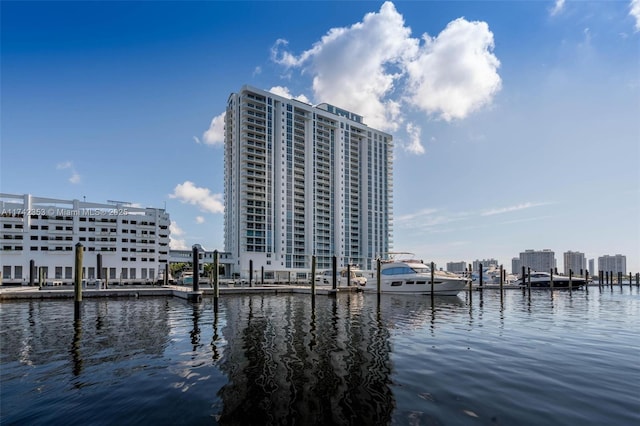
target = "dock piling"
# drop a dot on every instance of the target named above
(432, 290)
(78, 281)
(313, 278)
(216, 281)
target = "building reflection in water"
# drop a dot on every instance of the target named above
(261, 359)
(287, 362)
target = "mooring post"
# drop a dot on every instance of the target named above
(334, 266)
(32, 272)
(480, 276)
(470, 276)
(522, 278)
(551, 279)
(78, 281)
(262, 275)
(313, 277)
(196, 269)
(637, 279)
(99, 268)
(216, 281)
(166, 274)
(570, 279)
(630, 282)
(586, 280)
(40, 277)
(251, 273)
(432, 289)
(501, 278)
(529, 278)
(620, 279)
(378, 277)
(349, 275)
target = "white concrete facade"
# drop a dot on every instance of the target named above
(574, 261)
(301, 181)
(538, 260)
(613, 263)
(133, 242)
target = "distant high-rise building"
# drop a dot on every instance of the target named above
(542, 261)
(303, 180)
(592, 266)
(574, 261)
(486, 263)
(615, 264)
(456, 267)
(516, 266)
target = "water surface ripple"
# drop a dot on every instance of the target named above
(560, 358)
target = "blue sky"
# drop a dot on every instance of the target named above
(515, 122)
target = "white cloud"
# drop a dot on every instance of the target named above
(634, 11)
(175, 229)
(355, 68)
(75, 177)
(415, 145)
(455, 73)
(68, 165)
(187, 192)
(509, 209)
(375, 68)
(176, 243)
(557, 7)
(199, 219)
(215, 134)
(417, 215)
(284, 92)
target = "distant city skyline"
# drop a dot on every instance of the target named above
(514, 123)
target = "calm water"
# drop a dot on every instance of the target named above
(556, 358)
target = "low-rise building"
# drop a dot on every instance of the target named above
(121, 243)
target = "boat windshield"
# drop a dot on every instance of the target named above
(403, 270)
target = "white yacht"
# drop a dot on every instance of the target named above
(413, 276)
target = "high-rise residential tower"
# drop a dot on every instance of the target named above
(616, 263)
(538, 260)
(574, 261)
(303, 180)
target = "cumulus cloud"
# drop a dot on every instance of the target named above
(215, 134)
(187, 192)
(356, 67)
(284, 92)
(557, 7)
(199, 220)
(415, 145)
(634, 11)
(175, 242)
(455, 73)
(375, 68)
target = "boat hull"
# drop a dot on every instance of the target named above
(441, 286)
(556, 284)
